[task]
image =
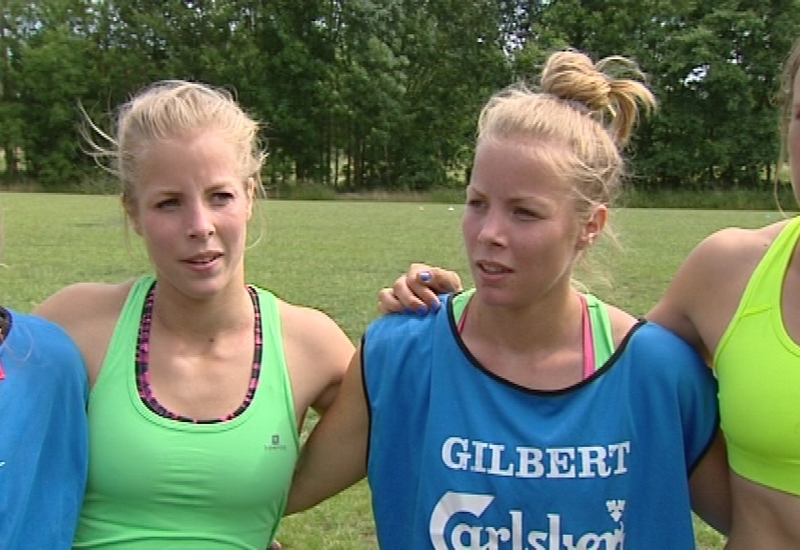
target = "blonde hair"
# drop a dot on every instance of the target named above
(170, 109)
(786, 99)
(584, 109)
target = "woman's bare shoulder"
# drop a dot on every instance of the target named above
(317, 354)
(306, 322)
(79, 301)
(314, 336)
(735, 245)
(727, 257)
(621, 323)
(88, 312)
(704, 293)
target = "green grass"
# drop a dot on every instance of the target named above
(334, 256)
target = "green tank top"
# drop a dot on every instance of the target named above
(160, 483)
(758, 367)
(600, 323)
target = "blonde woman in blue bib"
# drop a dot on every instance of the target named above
(735, 300)
(526, 413)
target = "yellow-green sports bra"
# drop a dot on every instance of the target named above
(758, 368)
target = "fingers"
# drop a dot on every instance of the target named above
(388, 302)
(404, 295)
(439, 280)
(413, 293)
(416, 291)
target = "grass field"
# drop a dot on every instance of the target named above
(334, 256)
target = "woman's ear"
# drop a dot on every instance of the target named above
(593, 226)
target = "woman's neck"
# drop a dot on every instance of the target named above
(546, 324)
(227, 311)
(540, 346)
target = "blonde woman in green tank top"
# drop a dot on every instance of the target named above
(199, 382)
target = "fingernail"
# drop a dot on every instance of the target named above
(424, 276)
(435, 306)
(422, 310)
(407, 310)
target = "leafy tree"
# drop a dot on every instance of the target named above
(370, 94)
(11, 107)
(455, 61)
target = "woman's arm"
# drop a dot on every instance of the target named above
(709, 486)
(335, 455)
(703, 295)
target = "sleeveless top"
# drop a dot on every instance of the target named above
(459, 457)
(758, 368)
(159, 482)
(43, 439)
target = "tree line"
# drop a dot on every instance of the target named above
(359, 95)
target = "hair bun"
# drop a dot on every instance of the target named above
(572, 76)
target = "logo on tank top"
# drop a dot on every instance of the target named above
(456, 524)
(275, 444)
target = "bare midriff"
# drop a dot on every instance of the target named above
(763, 518)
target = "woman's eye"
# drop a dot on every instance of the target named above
(167, 203)
(474, 203)
(222, 197)
(524, 213)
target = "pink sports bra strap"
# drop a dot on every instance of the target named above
(460, 326)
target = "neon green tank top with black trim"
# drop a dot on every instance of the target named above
(602, 337)
(758, 367)
(161, 483)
